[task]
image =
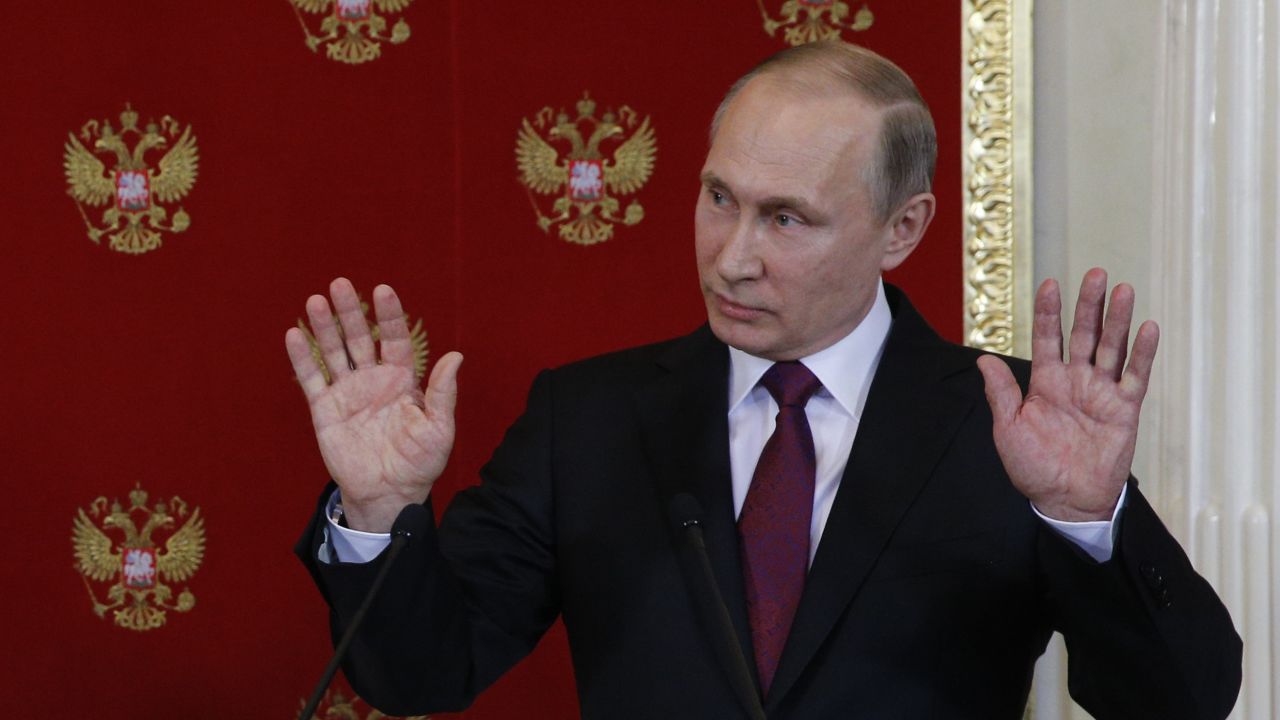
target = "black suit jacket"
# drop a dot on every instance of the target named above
(933, 590)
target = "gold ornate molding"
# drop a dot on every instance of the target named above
(996, 165)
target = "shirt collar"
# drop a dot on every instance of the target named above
(844, 368)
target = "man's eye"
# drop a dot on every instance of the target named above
(784, 220)
(717, 197)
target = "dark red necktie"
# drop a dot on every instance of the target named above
(775, 519)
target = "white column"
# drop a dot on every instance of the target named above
(1212, 464)
(1095, 87)
(1206, 195)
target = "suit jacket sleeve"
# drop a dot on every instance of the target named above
(1146, 636)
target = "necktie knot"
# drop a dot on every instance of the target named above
(790, 383)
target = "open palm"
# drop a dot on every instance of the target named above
(1068, 445)
(383, 442)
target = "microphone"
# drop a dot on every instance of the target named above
(686, 518)
(411, 522)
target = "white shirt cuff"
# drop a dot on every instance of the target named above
(345, 544)
(1096, 537)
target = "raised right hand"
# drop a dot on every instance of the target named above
(382, 442)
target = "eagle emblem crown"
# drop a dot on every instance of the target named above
(134, 192)
(587, 184)
(139, 572)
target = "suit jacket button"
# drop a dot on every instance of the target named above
(1153, 578)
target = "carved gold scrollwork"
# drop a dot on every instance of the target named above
(996, 161)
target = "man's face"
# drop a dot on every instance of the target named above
(789, 246)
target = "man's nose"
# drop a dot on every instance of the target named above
(739, 258)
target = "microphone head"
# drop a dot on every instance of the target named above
(411, 521)
(685, 511)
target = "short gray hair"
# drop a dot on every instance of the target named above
(908, 152)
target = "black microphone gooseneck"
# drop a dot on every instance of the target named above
(686, 516)
(411, 522)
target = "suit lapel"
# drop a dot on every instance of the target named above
(908, 422)
(684, 423)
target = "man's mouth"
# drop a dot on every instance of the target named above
(736, 311)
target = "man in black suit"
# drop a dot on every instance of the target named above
(947, 536)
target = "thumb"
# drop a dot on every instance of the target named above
(1003, 393)
(441, 395)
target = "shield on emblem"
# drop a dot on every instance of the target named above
(586, 180)
(133, 190)
(139, 567)
(351, 9)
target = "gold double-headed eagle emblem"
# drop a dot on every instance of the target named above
(352, 31)
(586, 183)
(135, 192)
(806, 21)
(135, 567)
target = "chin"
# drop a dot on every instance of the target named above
(735, 334)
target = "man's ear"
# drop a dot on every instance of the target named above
(907, 229)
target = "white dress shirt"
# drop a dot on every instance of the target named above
(845, 370)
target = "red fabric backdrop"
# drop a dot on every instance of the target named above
(167, 369)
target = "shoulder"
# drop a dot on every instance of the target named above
(914, 344)
(635, 366)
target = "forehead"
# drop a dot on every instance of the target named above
(776, 132)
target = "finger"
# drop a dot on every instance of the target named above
(325, 328)
(1003, 393)
(1138, 374)
(1088, 320)
(355, 327)
(1046, 328)
(305, 367)
(441, 396)
(394, 342)
(1114, 344)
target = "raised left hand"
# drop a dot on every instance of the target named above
(1068, 445)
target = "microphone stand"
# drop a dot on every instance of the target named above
(686, 514)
